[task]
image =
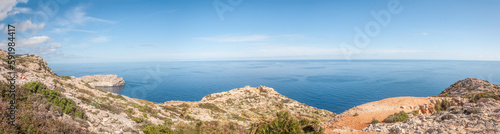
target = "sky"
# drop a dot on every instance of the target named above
(64, 31)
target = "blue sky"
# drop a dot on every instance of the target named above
(132, 30)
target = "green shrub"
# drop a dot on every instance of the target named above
(95, 104)
(375, 121)
(285, 123)
(87, 85)
(475, 97)
(28, 117)
(442, 105)
(156, 129)
(356, 114)
(415, 112)
(129, 111)
(102, 90)
(65, 77)
(397, 117)
(67, 105)
(138, 119)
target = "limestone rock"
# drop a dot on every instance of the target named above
(109, 80)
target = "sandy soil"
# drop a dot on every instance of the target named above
(378, 110)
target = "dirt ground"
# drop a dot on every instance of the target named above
(378, 110)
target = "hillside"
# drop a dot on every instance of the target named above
(49, 103)
(467, 106)
(73, 105)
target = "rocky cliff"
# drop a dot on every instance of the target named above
(80, 107)
(467, 106)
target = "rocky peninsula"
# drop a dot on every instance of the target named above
(49, 103)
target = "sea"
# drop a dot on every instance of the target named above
(334, 85)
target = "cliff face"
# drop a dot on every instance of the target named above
(105, 112)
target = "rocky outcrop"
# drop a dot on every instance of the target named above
(483, 117)
(108, 112)
(109, 80)
(474, 109)
(470, 86)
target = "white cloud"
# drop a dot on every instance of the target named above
(99, 39)
(7, 7)
(249, 38)
(17, 10)
(2, 26)
(79, 17)
(424, 34)
(28, 25)
(34, 41)
(50, 48)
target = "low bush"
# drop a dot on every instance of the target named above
(65, 77)
(156, 129)
(415, 112)
(442, 105)
(87, 85)
(102, 90)
(67, 105)
(285, 123)
(29, 106)
(397, 117)
(138, 119)
(475, 97)
(375, 121)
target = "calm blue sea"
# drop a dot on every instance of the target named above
(335, 85)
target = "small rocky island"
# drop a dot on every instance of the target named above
(49, 103)
(109, 80)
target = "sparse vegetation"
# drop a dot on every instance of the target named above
(86, 92)
(210, 106)
(375, 121)
(286, 124)
(138, 119)
(65, 77)
(356, 114)
(415, 112)
(156, 129)
(102, 90)
(397, 117)
(87, 85)
(442, 105)
(67, 105)
(116, 96)
(475, 97)
(28, 119)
